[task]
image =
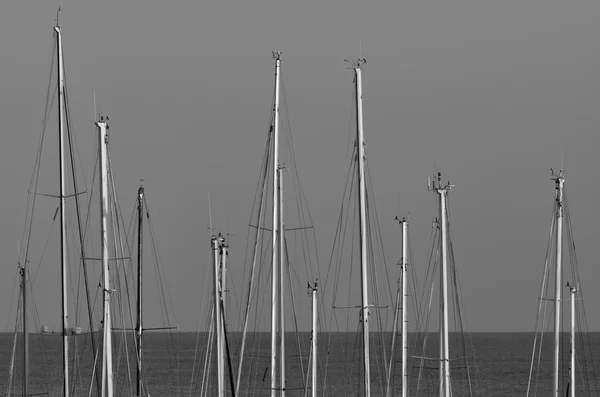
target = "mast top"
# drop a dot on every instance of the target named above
(557, 176)
(355, 64)
(277, 55)
(435, 183)
(103, 122)
(314, 287)
(401, 220)
(572, 288)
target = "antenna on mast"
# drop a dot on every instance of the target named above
(210, 215)
(58, 14)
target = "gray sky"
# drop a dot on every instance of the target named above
(488, 90)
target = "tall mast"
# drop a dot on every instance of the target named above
(280, 248)
(559, 181)
(25, 330)
(139, 327)
(404, 223)
(573, 291)
(400, 303)
(360, 145)
(446, 357)
(276, 233)
(107, 372)
(224, 281)
(314, 340)
(216, 246)
(222, 264)
(63, 228)
(444, 343)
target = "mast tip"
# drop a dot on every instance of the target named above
(355, 64)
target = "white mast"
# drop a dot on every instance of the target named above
(280, 247)
(444, 343)
(314, 340)
(573, 314)
(224, 282)
(404, 223)
(63, 229)
(559, 180)
(107, 372)
(360, 145)
(221, 330)
(140, 289)
(217, 310)
(276, 232)
(25, 330)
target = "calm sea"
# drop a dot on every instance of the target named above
(173, 365)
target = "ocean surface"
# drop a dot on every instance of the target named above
(173, 365)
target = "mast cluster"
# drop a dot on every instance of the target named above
(278, 325)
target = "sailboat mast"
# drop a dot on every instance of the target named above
(404, 223)
(25, 331)
(446, 357)
(276, 231)
(63, 228)
(224, 282)
(436, 185)
(222, 264)
(216, 246)
(280, 248)
(360, 144)
(572, 382)
(107, 372)
(139, 327)
(314, 340)
(559, 181)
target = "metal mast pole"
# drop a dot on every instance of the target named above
(63, 229)
(446, 358)
(360, 146)
(559, 180)
(217, 310)
(107, 372)
(573, 314)
(280, 239)
(221, 324)
(314, 340)
(444, 342)
(276, 235)
(404, 223)
(25, 331)
(224, 281)
(139, 327)
(224, 344)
